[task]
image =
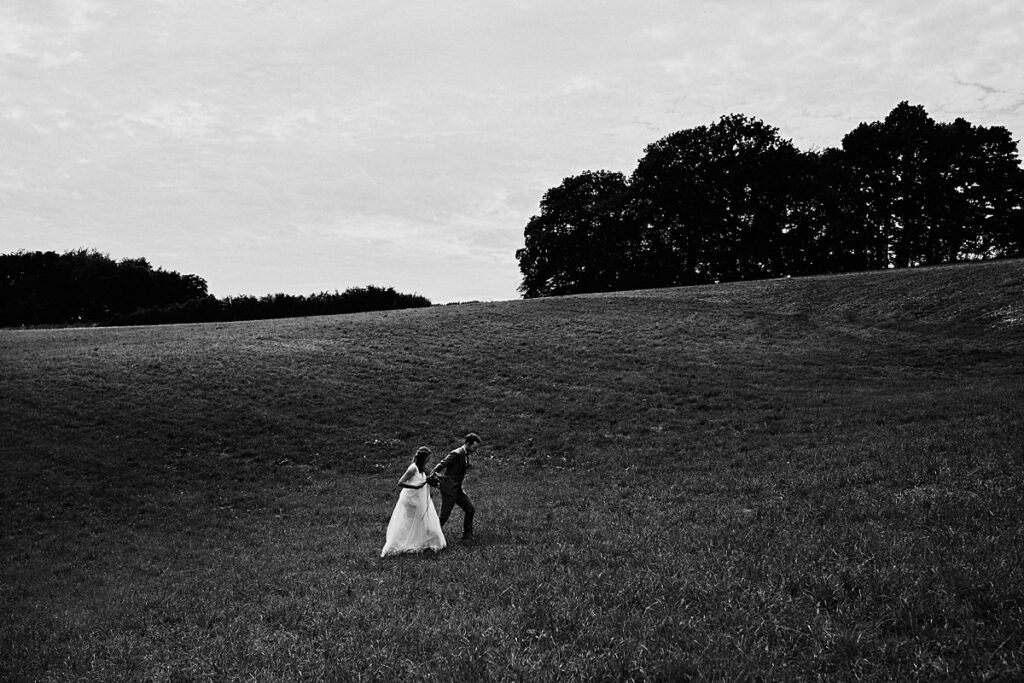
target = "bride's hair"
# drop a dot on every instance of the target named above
(422, 453)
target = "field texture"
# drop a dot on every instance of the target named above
(780, 480)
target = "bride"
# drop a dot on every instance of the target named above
(414, 525)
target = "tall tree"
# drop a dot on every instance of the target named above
(580, 241)
(994, 193)
(715, 201)
(929, 193)
(871, 187)
(815, 227)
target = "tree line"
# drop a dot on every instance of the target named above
(84, 287)
(247, 307)
(733, 200)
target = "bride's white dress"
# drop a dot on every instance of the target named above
(414, 525)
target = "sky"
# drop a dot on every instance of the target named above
(302, 146)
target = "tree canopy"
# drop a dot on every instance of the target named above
(82, 286)
(87, 287)
(734, 200)
(578, 241)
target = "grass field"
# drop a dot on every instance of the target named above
(779, 480)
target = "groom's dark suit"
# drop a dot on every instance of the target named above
(453, 470)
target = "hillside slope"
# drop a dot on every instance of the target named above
(567, 369)
(837, 459)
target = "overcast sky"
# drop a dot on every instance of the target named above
(302, 146)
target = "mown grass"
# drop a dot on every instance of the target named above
(781, 480)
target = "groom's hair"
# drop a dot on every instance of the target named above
(473, 438)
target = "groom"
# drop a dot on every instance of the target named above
(452, 470)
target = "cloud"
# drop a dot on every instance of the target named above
(586, 83)
(46, 32)
(816, 69)
(14, 113)
(52, 61)
(658, 34)
(183, 119)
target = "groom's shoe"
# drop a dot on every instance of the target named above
(468, 538)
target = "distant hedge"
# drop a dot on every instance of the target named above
(86, 287)
(211, 309)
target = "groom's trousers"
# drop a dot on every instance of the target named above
(452, 495)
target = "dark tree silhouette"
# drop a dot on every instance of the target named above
(246, 307)
(733, 200)
(85, 286)
(933, 193)
(990, 191)
(717, 201)
(580, 242)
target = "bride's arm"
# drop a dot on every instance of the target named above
(408, 476)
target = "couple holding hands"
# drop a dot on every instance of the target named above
(414, 524)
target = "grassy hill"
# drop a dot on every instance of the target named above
(783, 479)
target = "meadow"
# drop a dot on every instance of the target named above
(792, 479)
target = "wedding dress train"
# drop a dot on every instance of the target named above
(414, 524)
